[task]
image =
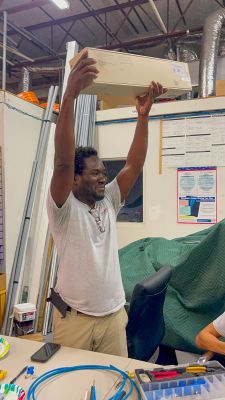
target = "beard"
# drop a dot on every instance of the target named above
(98, 197)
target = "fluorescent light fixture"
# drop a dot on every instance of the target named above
(62, 4)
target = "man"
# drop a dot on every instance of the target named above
(82, 213)
(208, 338)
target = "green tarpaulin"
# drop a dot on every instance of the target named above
(196, 293)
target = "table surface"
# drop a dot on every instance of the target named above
(71, 385)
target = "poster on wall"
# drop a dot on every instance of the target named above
(193, 141)
(197, 195)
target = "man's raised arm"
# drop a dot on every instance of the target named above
(137, 153)
(81, 76)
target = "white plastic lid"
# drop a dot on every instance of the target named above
(24, 307)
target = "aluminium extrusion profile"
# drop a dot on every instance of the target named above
(46, 260)
(48, 308)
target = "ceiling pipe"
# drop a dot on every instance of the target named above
(155, 11)
(18, 53)
(29, 36)
(143, 42)
(45, 69)
(151, 39)
(7, 61)
(209, 52)
(9, 39)
(39, 60)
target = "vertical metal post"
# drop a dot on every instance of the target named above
(4, 50)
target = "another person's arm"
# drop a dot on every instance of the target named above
(81, 76)
(208, 338)
(137, 153)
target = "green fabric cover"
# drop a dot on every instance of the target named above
(196, 293)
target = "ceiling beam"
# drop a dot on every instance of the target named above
(150, 18)
(146, 41)
(127, 17)
(151, 39)
(26, 6)
(181, 13)
(29, 36)
(61, 27)
(98, 18)
(39, 61)
(88, 14)
(140, 19)
(168, 15)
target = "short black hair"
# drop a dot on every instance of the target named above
(81, 153)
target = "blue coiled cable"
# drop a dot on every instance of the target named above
(63, 370)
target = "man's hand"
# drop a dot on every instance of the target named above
(144, 103)
(82, 75)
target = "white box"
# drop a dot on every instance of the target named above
(125, 74)
(24, 312)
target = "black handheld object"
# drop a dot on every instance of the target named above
(45, 352)
(58, 302)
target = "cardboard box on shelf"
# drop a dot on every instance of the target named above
(220, 88)
(2, 281)
(125, 74)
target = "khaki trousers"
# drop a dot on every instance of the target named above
(105, 334)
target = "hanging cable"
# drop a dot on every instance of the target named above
(125, 379)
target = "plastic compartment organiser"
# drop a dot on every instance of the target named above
(203, 386)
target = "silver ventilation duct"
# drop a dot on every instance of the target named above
(209, 52)
(185, 53)
(183, 49)
(171, 55)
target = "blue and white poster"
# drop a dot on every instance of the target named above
(197, 195)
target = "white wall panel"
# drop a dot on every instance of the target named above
(160, 203)
(20, 128)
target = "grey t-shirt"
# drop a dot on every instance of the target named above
(89, 277)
